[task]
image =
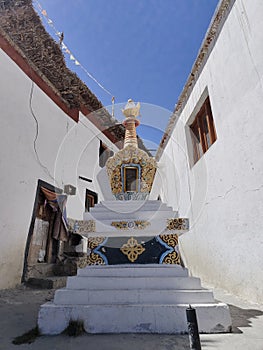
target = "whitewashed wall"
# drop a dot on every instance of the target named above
(223, 192)
(65, 149)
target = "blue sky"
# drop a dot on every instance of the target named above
(139, 49)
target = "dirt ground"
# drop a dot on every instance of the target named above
(19, 308)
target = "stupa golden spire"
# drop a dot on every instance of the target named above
(131, 171)
(131, 112)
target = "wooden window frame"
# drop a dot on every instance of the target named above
(198, 131)
(93, 196)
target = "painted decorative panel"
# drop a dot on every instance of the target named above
(140, 250)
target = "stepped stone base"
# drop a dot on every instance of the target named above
(162, 319)
(133, 299)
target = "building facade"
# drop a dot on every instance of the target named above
(51, 138)
(212, 151)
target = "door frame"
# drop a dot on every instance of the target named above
(49, 187)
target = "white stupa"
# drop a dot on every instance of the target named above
(135, 281)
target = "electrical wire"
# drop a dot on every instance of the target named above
(60, 35)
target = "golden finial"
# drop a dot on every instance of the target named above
(131, 110)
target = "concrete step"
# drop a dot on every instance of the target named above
(51, 282)
(145, 318)
(120, 209)
(131, 206)
(137, 215)
(131, 297)
(117, 283)
(135, 270)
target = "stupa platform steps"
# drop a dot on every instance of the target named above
(143, 318)
(135, 283)
(136, 215)
(133, 299)
(134, 270)
(131, 205)
(142, 210)
(130, 218)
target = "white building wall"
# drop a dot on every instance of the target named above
(65, 150)
(223, 192)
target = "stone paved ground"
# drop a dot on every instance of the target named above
(19, 308)
(247, 321)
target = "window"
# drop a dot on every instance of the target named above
(202, 131)
(90, 200)
(131, 179)
(104, 154)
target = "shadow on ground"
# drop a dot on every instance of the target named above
(242, 317)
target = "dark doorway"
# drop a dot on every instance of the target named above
(47, 232)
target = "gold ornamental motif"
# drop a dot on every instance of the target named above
(171, 240)
(95, 259)
(132, 249)
(177, 224)
(172, 258)
(81, 226)
(126, 225)
(131, 155)
(86, 226)
(94, 242)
